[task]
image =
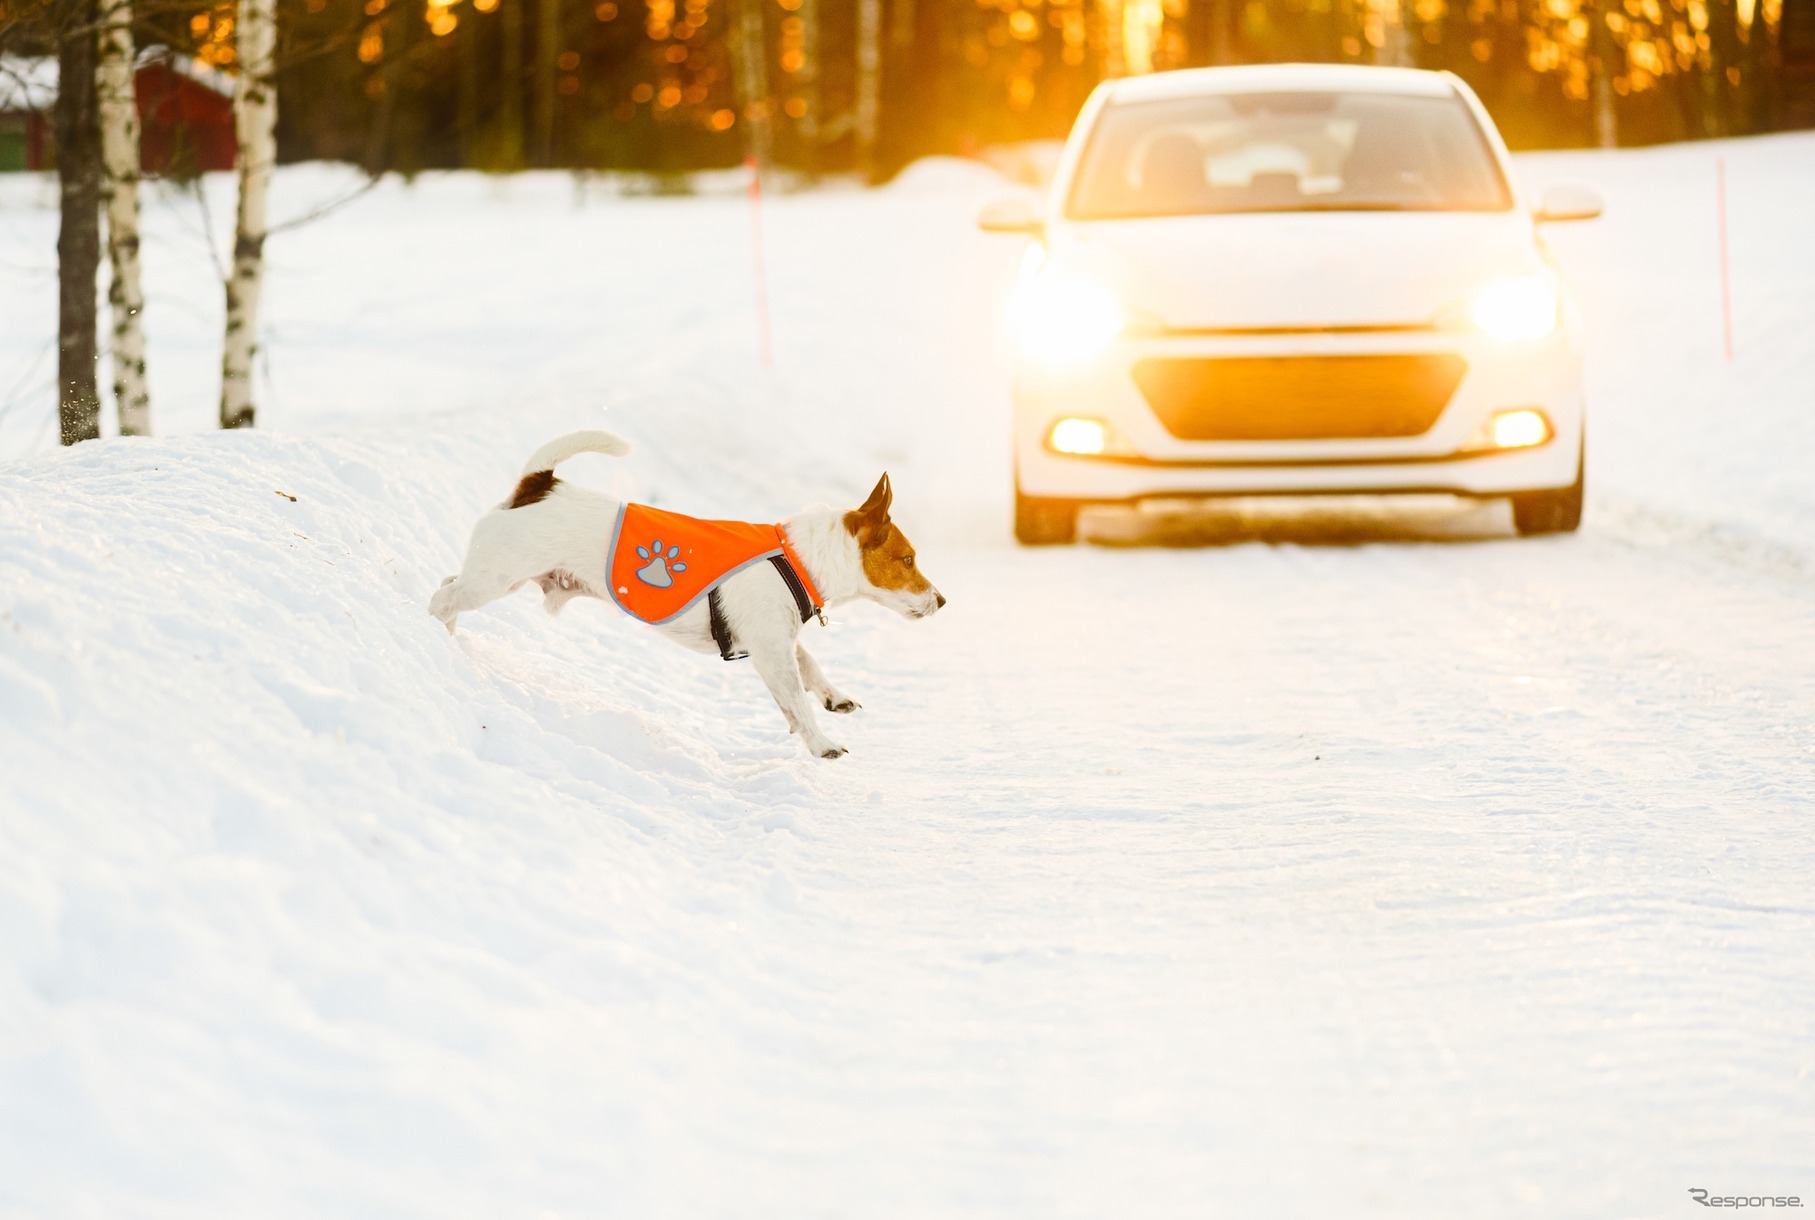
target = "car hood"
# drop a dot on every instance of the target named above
(1318, 269)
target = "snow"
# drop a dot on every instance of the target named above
(1375, 863)
(27, 83)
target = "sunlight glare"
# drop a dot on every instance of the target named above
(1511, 310)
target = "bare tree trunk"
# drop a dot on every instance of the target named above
(510, 86)
(901, 29)
(79, 237)
(380, 155)
(1606, 118)
(119, 114)
(1207, 33)
(753, 80)
(469, 89)
(1794, 94)
(1115, 58)
(1396, 40)
(255, 124)
(548, 50)
(1755, 91)
(1600, 70)
(1724, 62)
(808, 77)
(869, 83)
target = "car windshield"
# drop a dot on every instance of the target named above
(1287, 152)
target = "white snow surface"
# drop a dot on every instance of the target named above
(1366, 862)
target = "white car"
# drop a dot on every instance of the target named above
(1291, 280)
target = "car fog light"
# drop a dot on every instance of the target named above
(1511, 310)
(1520, 429)
(1083, 437)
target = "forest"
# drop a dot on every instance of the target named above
(868, 85)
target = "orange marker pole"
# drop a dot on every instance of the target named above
(762, 278)
(1726, 277)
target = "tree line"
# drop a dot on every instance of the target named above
(868, 85)
(818, 86)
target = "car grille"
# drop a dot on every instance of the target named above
(1279, 398)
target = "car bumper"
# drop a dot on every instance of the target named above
(1543, 373)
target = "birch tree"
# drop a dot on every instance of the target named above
(255, 125)
(119, 117)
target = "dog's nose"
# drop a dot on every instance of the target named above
(939, 599)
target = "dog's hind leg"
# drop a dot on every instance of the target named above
(814, 679)
(560, 587)
(779, 665)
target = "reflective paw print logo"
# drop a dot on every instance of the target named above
(658, 570)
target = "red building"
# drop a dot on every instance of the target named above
(185, 114)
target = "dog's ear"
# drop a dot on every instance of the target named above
(870, 521)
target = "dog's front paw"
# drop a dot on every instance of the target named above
(827, 749)
(842, 704)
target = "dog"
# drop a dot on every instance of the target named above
(572, 542)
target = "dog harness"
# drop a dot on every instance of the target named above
(661, 564)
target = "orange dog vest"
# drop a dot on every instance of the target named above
(662, 563)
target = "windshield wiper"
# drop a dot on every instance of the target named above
(1350, 207)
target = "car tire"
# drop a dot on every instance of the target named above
(1549, 512)
(1043, 521)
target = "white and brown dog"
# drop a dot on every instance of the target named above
(563, 538)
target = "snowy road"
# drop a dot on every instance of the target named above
(1468, 880)
(1367, 863)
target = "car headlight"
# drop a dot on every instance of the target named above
(1063, 319)
(1523, 308)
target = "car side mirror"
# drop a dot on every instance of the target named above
(1014, 214)
(1568, 203)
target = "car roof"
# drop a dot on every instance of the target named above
(1281, 78)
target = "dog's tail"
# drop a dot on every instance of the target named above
(593, 440)
(539, 472)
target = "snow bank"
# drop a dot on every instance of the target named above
(303, 894)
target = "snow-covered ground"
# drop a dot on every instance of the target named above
(1378, 863)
